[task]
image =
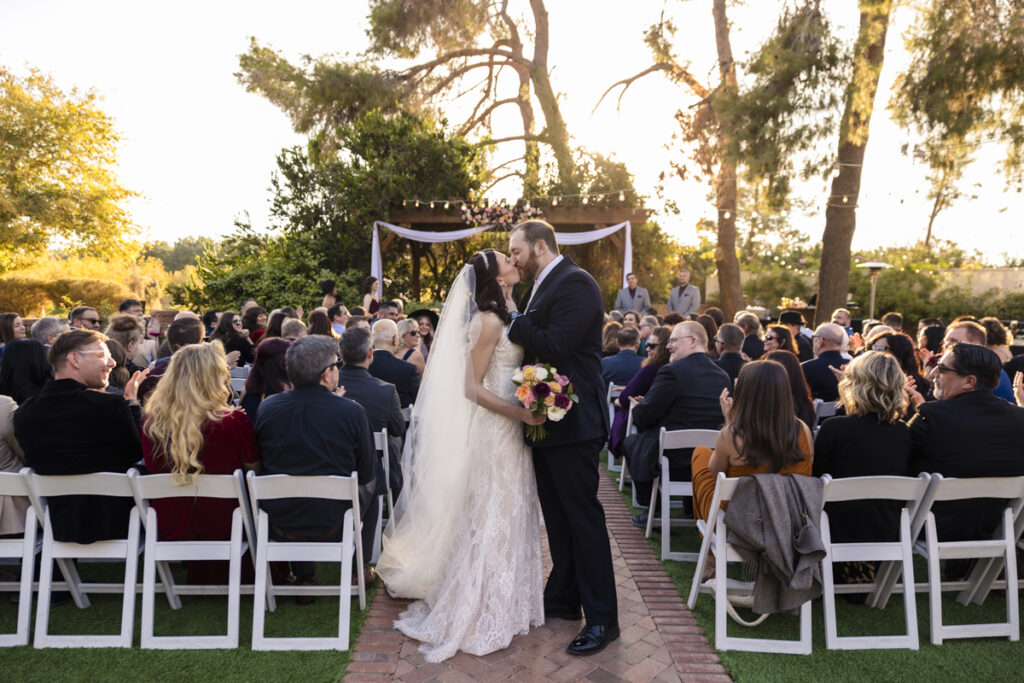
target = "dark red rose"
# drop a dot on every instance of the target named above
(562, 401)
(541, 390)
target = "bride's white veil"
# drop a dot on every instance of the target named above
(436, 457)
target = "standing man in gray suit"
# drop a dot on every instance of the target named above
(684, 299)
(632, 298)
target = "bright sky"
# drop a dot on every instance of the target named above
(201, 150)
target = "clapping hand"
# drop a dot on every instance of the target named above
(910, 388)
(838, 372)
(725, 400)
(1018, 388)
(131, 389)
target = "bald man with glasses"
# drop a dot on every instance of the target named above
(685, 395)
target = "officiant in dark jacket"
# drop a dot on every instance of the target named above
(378, 398)
(685, 395)
(560, 323)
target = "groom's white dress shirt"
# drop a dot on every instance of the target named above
(541, 275)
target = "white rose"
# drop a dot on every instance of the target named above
(517, 376)
(556, 414)
(542, 374)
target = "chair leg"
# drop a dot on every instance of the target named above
(702, 558)
(259, 591)
(666, 519)
(131, 573)
(934, 584)
(45, 586)
(650, 506)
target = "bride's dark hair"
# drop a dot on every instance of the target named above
(489, 296)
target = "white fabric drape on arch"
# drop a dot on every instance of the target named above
(377, 265)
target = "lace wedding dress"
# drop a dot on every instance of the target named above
(488, 585)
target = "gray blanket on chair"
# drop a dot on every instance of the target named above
(773, 522)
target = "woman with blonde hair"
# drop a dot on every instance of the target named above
(191, 428)
(871, 439)
(409, 344)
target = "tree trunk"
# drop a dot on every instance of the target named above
(531, 155)
(841, 216)
(725, 180)
(555, 132)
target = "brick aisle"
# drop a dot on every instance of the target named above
(660, 638)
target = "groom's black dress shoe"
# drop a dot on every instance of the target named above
(593, 639)
(562, 613)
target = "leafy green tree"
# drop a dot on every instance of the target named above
(58, 152)
(447, 42)
(183, 252)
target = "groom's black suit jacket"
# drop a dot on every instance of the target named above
(562, 326)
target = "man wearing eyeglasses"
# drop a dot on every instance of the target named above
(73, 427)
(84, 318)
(685, 395)
(967, 432)
(970, 332)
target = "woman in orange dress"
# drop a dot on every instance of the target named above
(761, 434)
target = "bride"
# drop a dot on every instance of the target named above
(465, 537)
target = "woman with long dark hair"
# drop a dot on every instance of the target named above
(657, 355)
(477, 556)
(274, 325)
(231, 333)
(779, 337)
(371, 299)
(255, 322)
(803, 403)
(711, 327)
(268, 375)
(319, 323)
(761, 434)
(23, 369)
(901, 347)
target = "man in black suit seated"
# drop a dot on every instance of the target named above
(829, 340)
(729, 341)
(685, 395)
(621, 367)
(310, 430)
(967, 432)
(753, 346)
(390, 369)
(378, 398)
(73, 427)
(795, 322)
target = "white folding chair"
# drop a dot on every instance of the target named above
(823, 410)
(41, 488)
(910, 492)
(14, 484)
(613, 393)
(276, 487)
(715, 532)
(985, 573)
(159, 553)
(1002, 546)
(624, 477)
(380, 441)
(666, 488)
(240, 372)
(237, 387)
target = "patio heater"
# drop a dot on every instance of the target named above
(874, 268)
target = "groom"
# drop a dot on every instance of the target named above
(560, 323)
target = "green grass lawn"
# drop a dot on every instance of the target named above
(976, 659)
(200, 615)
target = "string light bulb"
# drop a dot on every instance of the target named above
(585, 200)
(417, 203)
(446, 205)
(835, 170)
(845, 199)
(622, 196)
(404, 203)
(554, 201)
(431, 204)
(727, 215)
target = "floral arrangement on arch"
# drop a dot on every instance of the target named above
(498, 215)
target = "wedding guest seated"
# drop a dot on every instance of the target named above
(191, 428)
(132, 307)
(893, 320)
(388, 310)
(254, 320)
(267, 377)
(647, 325)
(717, 314)
(71, 428)
(24, 370)
(165, 351)
(182, 332)
(621, 367)
(378, 398)
(967, 432)
(408, 348)
(684, 395)
(997, 338)
(761, 434)
(968, 331)
(230, 333)
(310, 430)
(609, 336)
(829, 340)
(631, 319)
(803, 405)
(320, 324)
(357, 321)
(779, 337)
(274, 324)
(639, 385)
(794, 322)
(126, 330)
(45, 330)
(119, 374)
(338, 315)
(871, 439)
(729, 342)
(711, 329)
(929, 344)
(11, 328)
(390, 369)
(753, 347)
(84, 318)
(293, 329)
(901, 347)
(427, 320)
(12, 508)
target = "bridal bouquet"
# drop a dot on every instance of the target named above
(544, 392)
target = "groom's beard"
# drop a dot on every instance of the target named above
(528, 270)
